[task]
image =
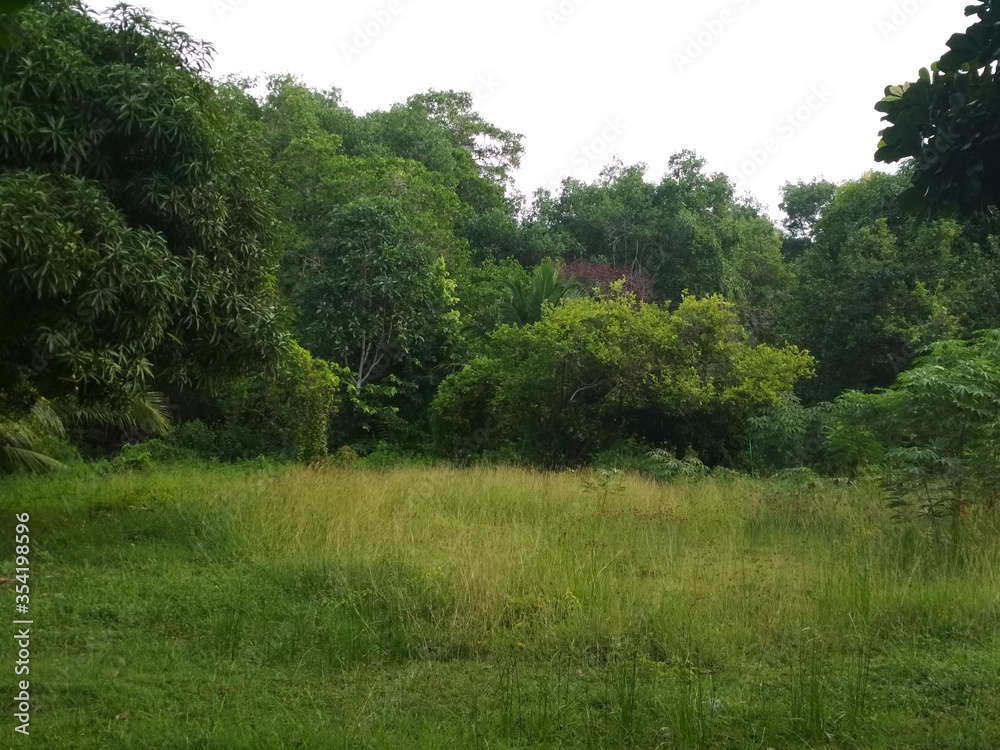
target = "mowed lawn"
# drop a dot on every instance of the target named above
(249, 607)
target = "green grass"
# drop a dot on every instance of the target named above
(222, 607)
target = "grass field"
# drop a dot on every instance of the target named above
(227, 607)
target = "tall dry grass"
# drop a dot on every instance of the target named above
(730, 568)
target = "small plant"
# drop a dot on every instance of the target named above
(938, 422)
(666, 466)
(133, 457)
(605, 482)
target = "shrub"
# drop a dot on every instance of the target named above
(591, 372)
(789, 435)
(935, 433)
(286, 415)
(194, 436)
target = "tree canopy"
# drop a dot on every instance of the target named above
(593, 370)
(295, 277)
(137, 235)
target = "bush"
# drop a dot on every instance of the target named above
(665, 466)
(286, 415)
(789, 435)
(934, 435)
(387, 456)
(461, 413)
(133, 457)
(593, 372)
(195, 437)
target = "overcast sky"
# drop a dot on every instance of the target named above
(768, 91)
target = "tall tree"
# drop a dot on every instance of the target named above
(803, 203)
(136, 233)
(876, 287)
(376, 300)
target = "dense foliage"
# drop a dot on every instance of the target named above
(136, 229)
(590, 371)
(873, 286)
(300, 280)
(948, 123)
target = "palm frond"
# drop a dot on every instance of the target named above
(19, 440)
(47, 416)
(12, 457)
(145, 411)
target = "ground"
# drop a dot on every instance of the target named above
(275, 607)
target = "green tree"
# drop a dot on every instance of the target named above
(948, 123)
(441, 130)
(375, 299)
(136, 233)
(591, 371)
(468, 155)
(8, 32)
(803, 203)
(686, 233)
(398, 336)
(874, 288)
(936, 428)
(526, 298)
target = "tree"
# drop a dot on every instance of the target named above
(466, 154)
(526, 299)
(936, 428)
(398, 336)
(877, 286)
(373, 297)
(686, 233)
(948, 123)
(8, 31)
(442, 131)
(803, 203)
(591, 371)
(136, 233)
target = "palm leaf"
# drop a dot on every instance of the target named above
(144, 411)
(23, 458)
(19, 440)
(46, 415)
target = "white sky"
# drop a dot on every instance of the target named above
(790, 82)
